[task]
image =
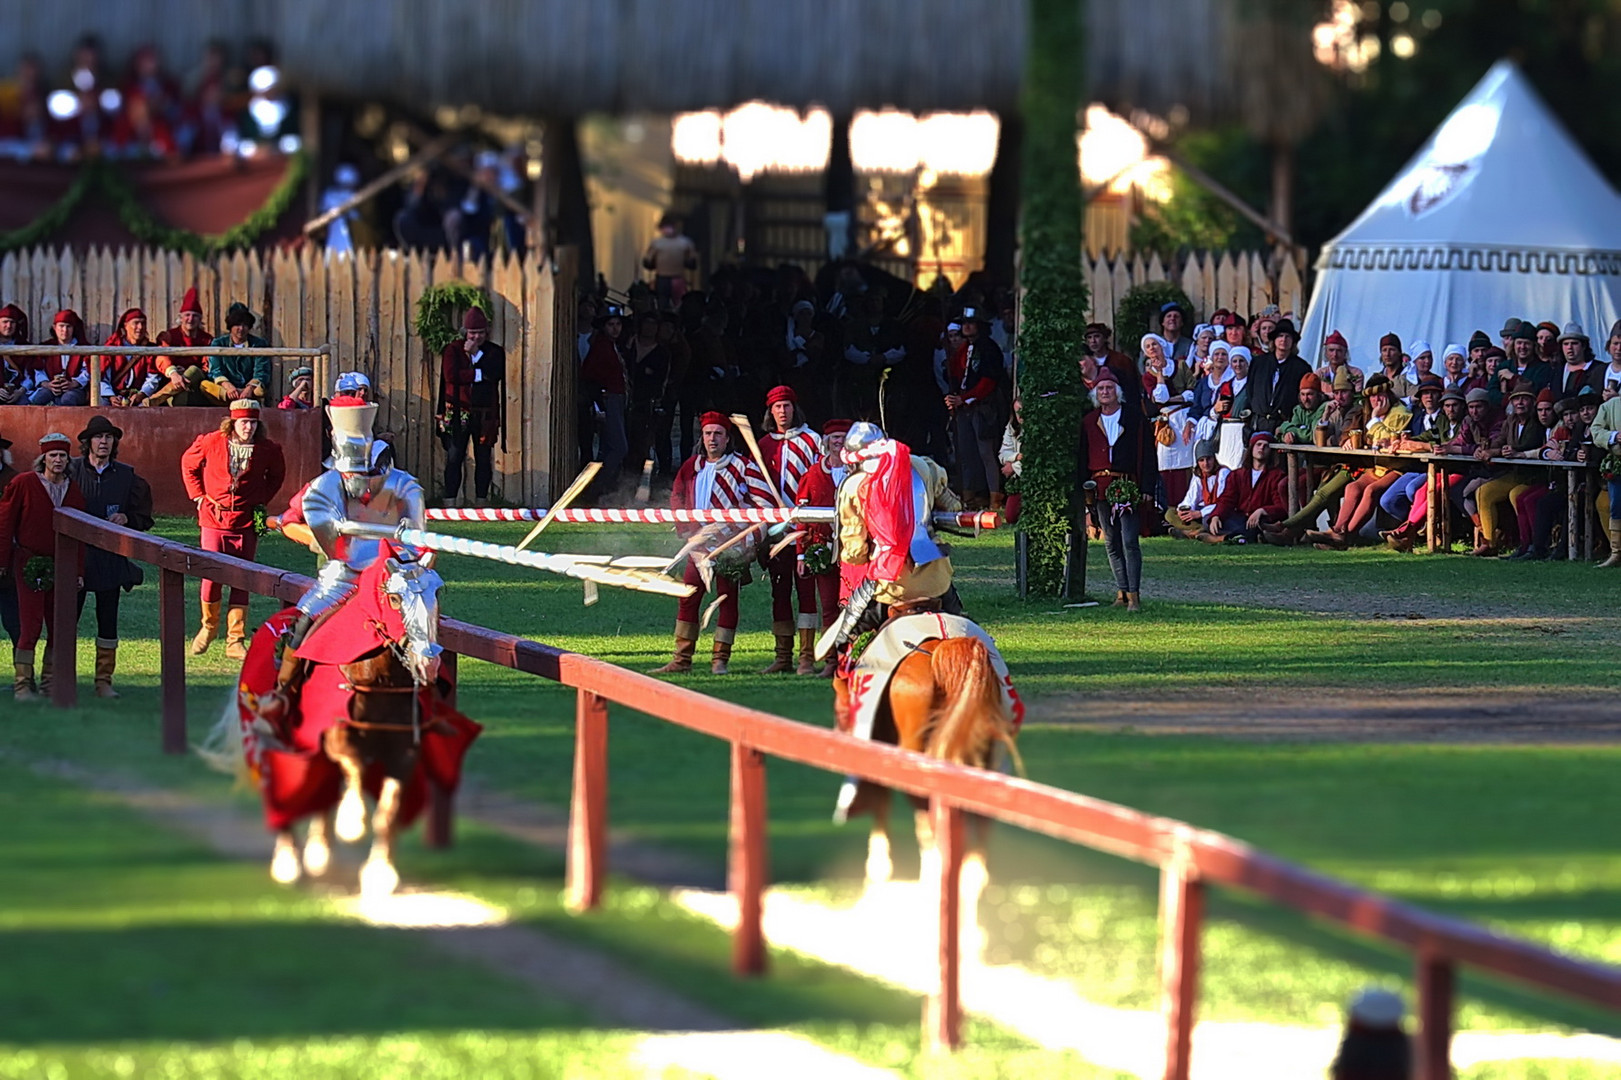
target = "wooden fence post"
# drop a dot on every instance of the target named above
(942, 1012)
(439, 830)
(172, 657)
(1181, 911)
(588, 809)
(62, 644)
(1437, 980)
(748, 870)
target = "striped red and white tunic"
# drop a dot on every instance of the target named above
(789, 456)
(732, 483)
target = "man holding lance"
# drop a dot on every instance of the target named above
(714, 478)
(790, 449)
(28, 531)
(818, 559)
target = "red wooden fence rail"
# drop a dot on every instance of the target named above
(1190, 859)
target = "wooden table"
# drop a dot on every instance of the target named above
(1578, 521)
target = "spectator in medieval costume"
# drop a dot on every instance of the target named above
(678, 411)
(1011, 457)
(817, 558)
(1174, 429)
(113, 492)
(1610, 373)
(1605, 435)
(1578, 368)
(1275, 378)
(670, 255)
(63, 379)
(471, 405)
(1548, 343)
(977, 401)
(601, 392)
(791, 449)
(1098, 348)
(805, 359)
(1254, 496)
(1172, 321)
(129, 380)
(1528, 360)
(1337, 357)
(1394, 368)
(239, 376)
(714, 478)
(1455, 368)
(19, 377)
(648, 362)
(1194, 516)
(1117, 452)
(1163, 377)
(28, 531)
(1209, 382)
(1521, 436)
(229, 473)
(873, 343)
(8, 584)
(300, 391)
(1336, 421)
(1387, 424)
(188, 376)
(148, 123)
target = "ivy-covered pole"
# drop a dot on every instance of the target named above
(1053, 305)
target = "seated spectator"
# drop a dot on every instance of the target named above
(63, 379)
(128, 381)
(1305, 422)
(1011, 457)
(301, 395)
(239, 376)
(1427, 415)
(1253, 496)
(1194, 515)
(1575, 368)
(187, 332)
(1455, 368)
(1610, 374)
(1520, 436)
(19, 376)
(1387, 425)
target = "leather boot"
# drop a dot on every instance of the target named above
(685, 644)
(46, 673)
(1119, 598)
(1615, 549)
(1132, 603)
(210, 628)
(807, 652)
(106, 664)
(998, 500)
(784, 660)
(722, 657)
(236, 633)
(22, 680)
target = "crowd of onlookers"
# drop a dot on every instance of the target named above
(229, 100)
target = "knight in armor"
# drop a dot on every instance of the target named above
(891, 563)
(360, 487)
(790, 449)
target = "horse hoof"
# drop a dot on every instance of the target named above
(378, 879)
(317, 858)
(284, 866)
(351, 821)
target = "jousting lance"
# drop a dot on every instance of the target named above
(655, 515)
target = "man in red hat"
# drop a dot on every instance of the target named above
(818, 553)
(228, 474)
(714, 478)
(187, 332)
(63, 379)
(128, 381)
(18, 377)
(1337, 358)
(790, 449)
(28, 532)
(471, 405)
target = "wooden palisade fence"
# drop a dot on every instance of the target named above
(1242, 281)
(364, 306)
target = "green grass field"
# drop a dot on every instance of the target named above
(1518, 837)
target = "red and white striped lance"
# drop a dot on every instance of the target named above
(657, 515)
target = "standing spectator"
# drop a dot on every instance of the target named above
(1172, 320)
(28, 529)
(1173, 443)
(873, 343)
(1528, 360)
(189, 378)
(1393, 368)
(790, 449)
(1097, 340)
(1116, 447)
(471, 405)
(1210, 381)
(602, 397)
(817, 547)
(8, 584)
(1374, 1046)
(63, 379)
(229, 473)
(111, 491)
(977, 377)
(1605, 434)
(679, 409)
(1337, 356)
(1577, 369)
(670, 255)
(648, 362)
(1275, 378)
(129, 380)
(1455, 367)
(805, 359)
(239, 376)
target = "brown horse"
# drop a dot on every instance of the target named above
(945, 700)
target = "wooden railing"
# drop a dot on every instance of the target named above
(1190, 859)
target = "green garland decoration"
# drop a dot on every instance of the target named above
(120, 193)
(39, 573)
(439, 312)
(1052, 314)
(1138, 312)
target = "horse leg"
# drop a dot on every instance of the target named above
(351, 821)
(284, 861)
(975, 877)
(378, 877)
(317, 848)
(880, 868)
(928, 853)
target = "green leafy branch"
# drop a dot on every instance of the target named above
(440, 310)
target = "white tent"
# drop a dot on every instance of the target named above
(1500, 214)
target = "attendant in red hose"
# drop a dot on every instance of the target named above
(818, 556)
(27, 530)
(229, 473)
(714, 478)
(790, 448)
(472, 405)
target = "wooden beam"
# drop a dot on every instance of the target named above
(1274, 231)
(428, 154)
(416, 134)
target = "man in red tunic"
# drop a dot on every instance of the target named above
(228, 473)
(818, 558)
(27, 530)
(128, 381)
(187, 332)
(714, 478)
(790, 449)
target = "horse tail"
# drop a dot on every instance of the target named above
(222, 748)
(972, 718)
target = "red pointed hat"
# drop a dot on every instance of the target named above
(189, 302)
